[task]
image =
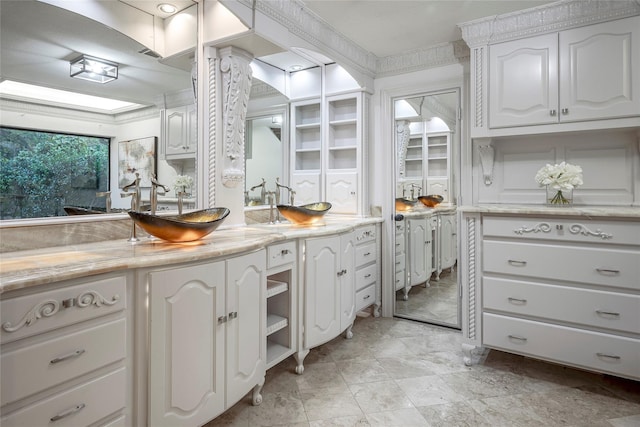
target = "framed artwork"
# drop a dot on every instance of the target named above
(137, 155)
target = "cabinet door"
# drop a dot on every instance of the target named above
(246, 323)
(447, 241)
(523, 82)
(598, 65)
(419, 246)
(186, 357)
(342, 191)
(347, 280)
(322, 295)
(307, 187)
(180, 131)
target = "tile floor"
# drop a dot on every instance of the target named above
(402, 373)
(435, 303)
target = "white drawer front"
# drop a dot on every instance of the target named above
(365, 234)
(609, 310)
(401, 262)
(367, 275)
(44, 311)
(401, 279)
(591, 350)
(79, 406)
(366, 254)
(609, 267)
(399, 227)
(30, 369)
(280, 254)
(365, 297)
(574, 230)
(400, 242)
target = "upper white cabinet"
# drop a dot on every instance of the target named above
(581, 74)
(327, 138)
(180, 132)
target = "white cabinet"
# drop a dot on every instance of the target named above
(400, 255)
(180, 132)
(327, 139)
(586, 73)
(206, 338)
(64, 353)
(446, 241)
(562, 289)
(367, 267)
(419, 251)
(329, 292)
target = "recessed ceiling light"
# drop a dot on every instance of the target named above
(295, 68)
(167, 8)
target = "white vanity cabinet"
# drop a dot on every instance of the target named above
(586, 73)
(367, 267)
(446, 241)
(419, 235)
(400, 255)
(207, 347)
(329, 298)
(562, 289)
(64, 354)
(180, 132)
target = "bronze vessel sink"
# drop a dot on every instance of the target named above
(431, 200)
(403, 204)
(305, 214)
(181, 228)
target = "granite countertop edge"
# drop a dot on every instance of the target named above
(605, 212)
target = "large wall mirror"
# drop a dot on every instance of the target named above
(154, 111)
(427, 141)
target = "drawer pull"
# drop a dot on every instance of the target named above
(397, 262)
(608, 356)
(518, 301)
(518, 338)
(68, 412)
(67, 303)
(607, 313)
(233, 315)
(285, 252)
(367, 297)
(67, 356)
(517, 263)
(607, 271)
(222, 319)
(367, 254)
(366, 276)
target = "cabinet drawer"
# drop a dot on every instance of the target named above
(366, 254)
(366, 234)
(602, 309)
(608, 267)
(400, 243)
(401, 279)
(366, 276)
(44, 311)
(34, 368)
(399, 227)
(400, 262)
(365, 297)
(570, 230)
(79, 406)
(280, 254)
(587, 349)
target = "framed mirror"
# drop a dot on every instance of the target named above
(427, 141)
(39, 43)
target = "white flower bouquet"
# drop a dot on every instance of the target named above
(562, 177)
(182, 182)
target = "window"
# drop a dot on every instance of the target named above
(42, 172)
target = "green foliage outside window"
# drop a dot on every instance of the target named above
(41, 172)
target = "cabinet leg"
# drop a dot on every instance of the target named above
(299, 356)
(348, 334)
(467, 349)
(405, 297)
(376, 309)
(257, 396)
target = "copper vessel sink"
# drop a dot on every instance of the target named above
(305, 214)
(403, 204)
(431, 200)
(181, 228)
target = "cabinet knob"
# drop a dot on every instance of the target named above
(233, 315)
(222, 319)
(565, 111)
(552, 112)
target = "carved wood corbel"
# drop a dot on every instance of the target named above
(487, 158)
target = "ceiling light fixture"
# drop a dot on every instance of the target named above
(167, 8)
(94, 69)
(295, 68)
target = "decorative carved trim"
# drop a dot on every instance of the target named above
(479, 67)
(581, 229)
(419, 59)
(545, 19)
(471, 273)
(213, 63)
(403, 132)
(486, 161)
(88, 298)
(236, 87)
(260, 89)
(543, 227)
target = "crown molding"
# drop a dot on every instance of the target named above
(545, 19)
(260, 89)
(419, 59)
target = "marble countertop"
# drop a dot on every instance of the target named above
(622, 212)
(42, 266)
(420, 211)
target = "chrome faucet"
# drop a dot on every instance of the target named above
(154, 193)
(135, 202)
(107, 202)
(263, 190)
(278, 195)
(270, 195)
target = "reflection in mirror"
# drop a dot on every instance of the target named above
(426, 140)
(152, 99)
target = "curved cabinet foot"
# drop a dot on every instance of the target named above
(467, 350)
(376, 309)
(299, 356)
(257, 393)
(348, 334)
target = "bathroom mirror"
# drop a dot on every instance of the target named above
(38, 42)
(427, 140)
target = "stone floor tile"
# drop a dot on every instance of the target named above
(362, 371)
(428, 390)
(380, 396)
(409, 417)
(459, 414)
